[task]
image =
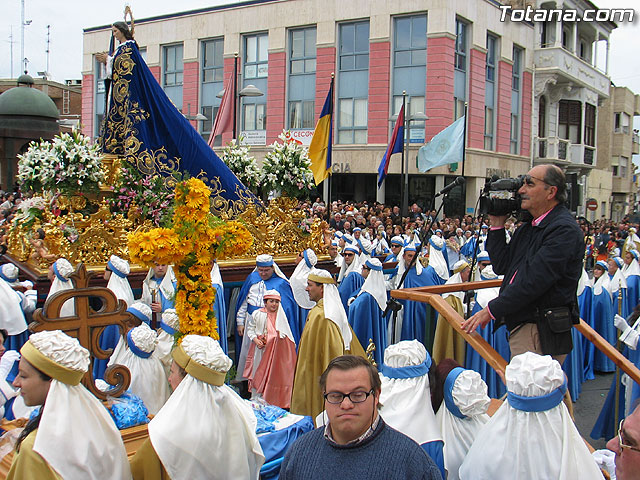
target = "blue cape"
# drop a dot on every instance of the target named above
(220, 309)
(365, 317)
(287, 301)
(602, 314)
(585, 301)
(415, 313)
(473, 361)
(144, 126)
(348, 288)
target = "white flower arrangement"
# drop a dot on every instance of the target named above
(68, 164)
(286, 168)
(242, 164)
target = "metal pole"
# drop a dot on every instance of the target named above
(405, 158)
(616, 407)
(24, 64)
(236, 98)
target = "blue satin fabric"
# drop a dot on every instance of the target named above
(220, 310)
(144, 126)
(367, 321)
(275, 445)
(602, 313)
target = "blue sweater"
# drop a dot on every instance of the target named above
(385, 455)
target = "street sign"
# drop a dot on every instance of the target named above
(592, 204)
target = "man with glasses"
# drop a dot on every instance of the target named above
(326, 335)
(355, 442)
(541, 266)
(626, 446)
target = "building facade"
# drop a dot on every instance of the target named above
(617, 143)
(443, 54)
(571, 82)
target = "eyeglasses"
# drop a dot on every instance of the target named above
(365, 268)
(528, 179)
(336, 398)
(621, 440)
(348, 254)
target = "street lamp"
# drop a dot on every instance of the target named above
(198, 117)
(248, 91)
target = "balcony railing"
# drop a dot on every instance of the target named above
(553, 148)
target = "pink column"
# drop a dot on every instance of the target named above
(379, 78)
(87, 104)
(475, 123)
(190, 84)
(325, 65)
(503, 130)
(276, 95)
(439, 92)
(525, 137)
(156, 73)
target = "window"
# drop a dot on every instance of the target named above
(590, 125)
(621, 122)
(460, 73)
(516, 93)
(517, 68)
(569, 120)
(410, 70)
(619, 166)
(211, 83)
(302, 78)
(488, 128)
(256, 68)
(353, 82)
(490, 92)
(461, 46)
(172, 73)
(100, 74)
(491, 58)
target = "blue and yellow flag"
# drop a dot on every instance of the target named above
(320, 148)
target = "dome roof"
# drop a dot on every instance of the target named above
(26, 101)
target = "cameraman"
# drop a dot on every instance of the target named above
(541, 266)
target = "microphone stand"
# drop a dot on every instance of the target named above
(425, 234)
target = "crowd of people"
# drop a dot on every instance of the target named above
(308, 343)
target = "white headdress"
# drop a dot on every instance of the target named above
(299, 276)
(148, 378)
(533, 414)
(9, 273)
(266, 260)
(374, 283)
(333, 309)
(118, 282)
(402, 267)
(62, 270)
(461, 415)
(76, 435)
(183, 436)
(355, 263)
(436, 256)
(165, 286)
(458, 268)
(169, 325)
(406, 396)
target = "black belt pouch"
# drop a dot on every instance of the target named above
(554, 330)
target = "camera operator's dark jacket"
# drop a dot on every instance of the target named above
(547, 263)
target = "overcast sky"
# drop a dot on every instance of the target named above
(68, 18)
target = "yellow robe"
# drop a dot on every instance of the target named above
(29, 465)
(146, 465)
(448, 343)
(321, 342)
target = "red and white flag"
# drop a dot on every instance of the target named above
(225, 116)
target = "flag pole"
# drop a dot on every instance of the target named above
(405, 159)
(333, 95)
(464, 136)
(464, 154)
(235, 98)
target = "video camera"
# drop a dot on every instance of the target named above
(500, 196)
